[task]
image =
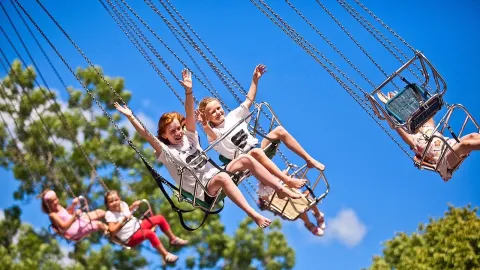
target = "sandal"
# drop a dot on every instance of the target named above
(320, 220)
(314, 229)
(170, 258)
(178, 242)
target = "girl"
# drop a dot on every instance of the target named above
(264, 194)
(418, 143)
(71, 223)
(128, 229)
(212, 116)
(176, 145)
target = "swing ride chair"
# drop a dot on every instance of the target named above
(238, 177)
(145, 215)
(442, 128)
(85, 209)
(415, 104)
(290, 209)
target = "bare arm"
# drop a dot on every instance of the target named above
(154, 142)
(252, 92)
(63, 225)
(114, 227)
(407, 138)
(189, 102)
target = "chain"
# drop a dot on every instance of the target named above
(59, 113)
(80, 81)
(219, 73)
(109, 158)
(209, 87)
(339, 81)
(66, 185)
(355, 41)
(360, 19)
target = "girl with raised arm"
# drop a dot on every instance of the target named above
(178, 145)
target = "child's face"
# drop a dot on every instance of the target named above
(174, 132)
(214, 113)
(52, 203)
(113, 202)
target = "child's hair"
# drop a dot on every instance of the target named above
(44, 204)
(203, 104)
(165, 120)
(108, 193)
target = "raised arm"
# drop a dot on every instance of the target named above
(154, 142)
(189, 104)
(252, 92)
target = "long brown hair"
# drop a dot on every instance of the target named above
(44, 204)
(165, 120)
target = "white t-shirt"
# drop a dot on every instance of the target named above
(129, 228)
(240, 137)
(182, 155)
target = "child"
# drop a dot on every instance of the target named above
(418, 143)
(264, 194)
(212, 116)
(176, 145)
(129, 230)
(70, 222)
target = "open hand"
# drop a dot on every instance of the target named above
(123, 109)
(260, 69)
(200, 117)
(187, 79)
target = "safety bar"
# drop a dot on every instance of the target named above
(440, 128)
(440, 83)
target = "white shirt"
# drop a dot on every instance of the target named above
(182, 155)
(129, 228)
(240, 137)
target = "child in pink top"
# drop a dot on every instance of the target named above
(72, 224)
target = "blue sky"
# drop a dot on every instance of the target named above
(376, 191)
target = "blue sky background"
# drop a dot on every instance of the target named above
(376, 191)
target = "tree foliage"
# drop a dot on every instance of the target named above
(43, 153)
(450, 242)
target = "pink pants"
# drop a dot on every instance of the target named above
(145, 231)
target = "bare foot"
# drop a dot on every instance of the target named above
(295, 183)
(315, 164)
(289, 193)
(261, 221)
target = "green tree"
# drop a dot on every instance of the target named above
(450, 242)
(38, 163)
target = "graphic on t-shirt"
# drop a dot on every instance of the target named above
(240, 139)
(198, 163)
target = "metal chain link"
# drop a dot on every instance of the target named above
(109, 158)
(59, 113)
(342, 83)
(219, 73)
(80, 81)
(47, 128)
(209, 87)
(360, 19)
(330, 43)
(66, 186)
(354, 40)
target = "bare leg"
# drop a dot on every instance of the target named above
(96, 214)
(262, 158)
(468, 143)
(246, 162)
(222, 180)
(280, 133)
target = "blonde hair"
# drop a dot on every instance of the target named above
(165, 120)
(203, 104)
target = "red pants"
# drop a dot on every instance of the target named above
(145, 231)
